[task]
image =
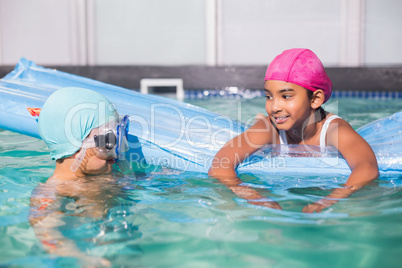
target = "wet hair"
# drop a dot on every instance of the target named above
(310, 94)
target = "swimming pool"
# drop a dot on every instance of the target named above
(172, 219)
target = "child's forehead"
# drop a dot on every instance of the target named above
(276, 85)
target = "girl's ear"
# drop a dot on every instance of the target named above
(318, 98)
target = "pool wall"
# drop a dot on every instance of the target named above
(373, 79)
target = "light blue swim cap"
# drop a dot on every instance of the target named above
(69, 115)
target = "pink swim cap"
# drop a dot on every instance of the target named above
(302, 67)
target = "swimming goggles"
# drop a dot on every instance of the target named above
(109, 141)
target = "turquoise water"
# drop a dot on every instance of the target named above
(172, 219)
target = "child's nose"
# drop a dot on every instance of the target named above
(276, 106)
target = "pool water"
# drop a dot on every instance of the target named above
(173, 219)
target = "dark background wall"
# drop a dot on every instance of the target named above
(250, 77)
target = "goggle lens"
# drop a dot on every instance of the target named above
(107, 141)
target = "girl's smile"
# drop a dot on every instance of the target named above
(288, 105)
(281, 120)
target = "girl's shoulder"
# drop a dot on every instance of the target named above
(334, 124)
(336, 119)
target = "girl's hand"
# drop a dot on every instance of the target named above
(253, 197)
(329, 200)
(269, 204)
(318, 206)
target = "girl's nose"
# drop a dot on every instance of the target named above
(276, 106)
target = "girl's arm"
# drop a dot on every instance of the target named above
(360, 158)
(234, 152)
(239, 148)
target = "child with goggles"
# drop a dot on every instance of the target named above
(83, 132)
(107, 142)
(86, 137)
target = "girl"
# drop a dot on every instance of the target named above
(296, 86)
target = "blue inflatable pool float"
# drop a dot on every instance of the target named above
(172, 134)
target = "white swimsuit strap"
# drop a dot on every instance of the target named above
(282, 137)
(324, 129)
(284, 140)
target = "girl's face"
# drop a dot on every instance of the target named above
(287, 104)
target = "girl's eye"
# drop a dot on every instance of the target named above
(268, 97)
(287, 97)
